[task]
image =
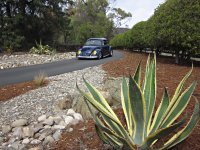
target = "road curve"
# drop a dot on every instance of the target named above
(22, 74)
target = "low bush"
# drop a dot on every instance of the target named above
(40, 79)
(42, 49)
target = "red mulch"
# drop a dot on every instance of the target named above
(11, 91)
(168, 75)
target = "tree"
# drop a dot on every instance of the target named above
(25, 21)
(94, 18)
(89, 20)
(177, 26)
(174, 26)
(119, 16)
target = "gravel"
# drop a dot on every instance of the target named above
(41, 101)
(18, 60)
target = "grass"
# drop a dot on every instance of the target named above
(40, 79)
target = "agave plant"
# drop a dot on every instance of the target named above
(144, 127)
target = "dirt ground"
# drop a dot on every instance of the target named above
(168, 75)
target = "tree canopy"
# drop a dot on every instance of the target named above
(23, 22)
(175, 26)
(94, 18)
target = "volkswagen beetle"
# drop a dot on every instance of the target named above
(95, 48)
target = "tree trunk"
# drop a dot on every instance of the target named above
(8, 11)
(157, 51)
(188, 56)
(177, 59)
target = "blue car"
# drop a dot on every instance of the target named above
(95, 48)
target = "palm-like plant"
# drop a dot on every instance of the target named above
(143, 127)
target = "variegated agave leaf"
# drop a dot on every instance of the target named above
(142, 130)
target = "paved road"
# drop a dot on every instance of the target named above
(21, 74)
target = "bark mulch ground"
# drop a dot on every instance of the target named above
(11, 91)
(168, 75)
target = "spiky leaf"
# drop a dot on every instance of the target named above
(179, 106)
(125, 100)
(138, 109)
(160, 111)
(185, 132)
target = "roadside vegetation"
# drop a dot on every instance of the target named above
(174, 28)
(40, 79)
(56, 22)
(42, 49)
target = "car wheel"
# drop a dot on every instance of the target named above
(100, 55)
(111, 53)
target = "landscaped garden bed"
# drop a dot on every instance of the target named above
(168, 75)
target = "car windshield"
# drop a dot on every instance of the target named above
(93, 43)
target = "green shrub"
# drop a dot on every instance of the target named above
(142, 130)
(42, 49)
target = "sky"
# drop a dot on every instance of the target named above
(141, 10)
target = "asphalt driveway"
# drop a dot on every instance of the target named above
(22, 74)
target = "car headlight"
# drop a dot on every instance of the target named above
(94, 52)
(79, 52)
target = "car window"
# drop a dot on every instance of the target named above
(105, 42)
(93, 43)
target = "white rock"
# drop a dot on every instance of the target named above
(74, 122)
(19, 123)
(57, 135)
(5, 144)
(68, 119)
(78, 116)
(12, 140)
(57, 119)
(26, 141)
(47, 127)
(6, 129)
(35, 142)
(45, 133)
(15, 145)
(70, 130)
(62, 123)
(28, 132)
(58, 127)
(42, 137)
(48, 139)
(42, 118)
(64, 116)
(18, 132)
(38, 127)
(48, 121)
(22, 147)
(70, 112)
(64, 104)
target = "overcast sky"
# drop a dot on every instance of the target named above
(141, 9)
